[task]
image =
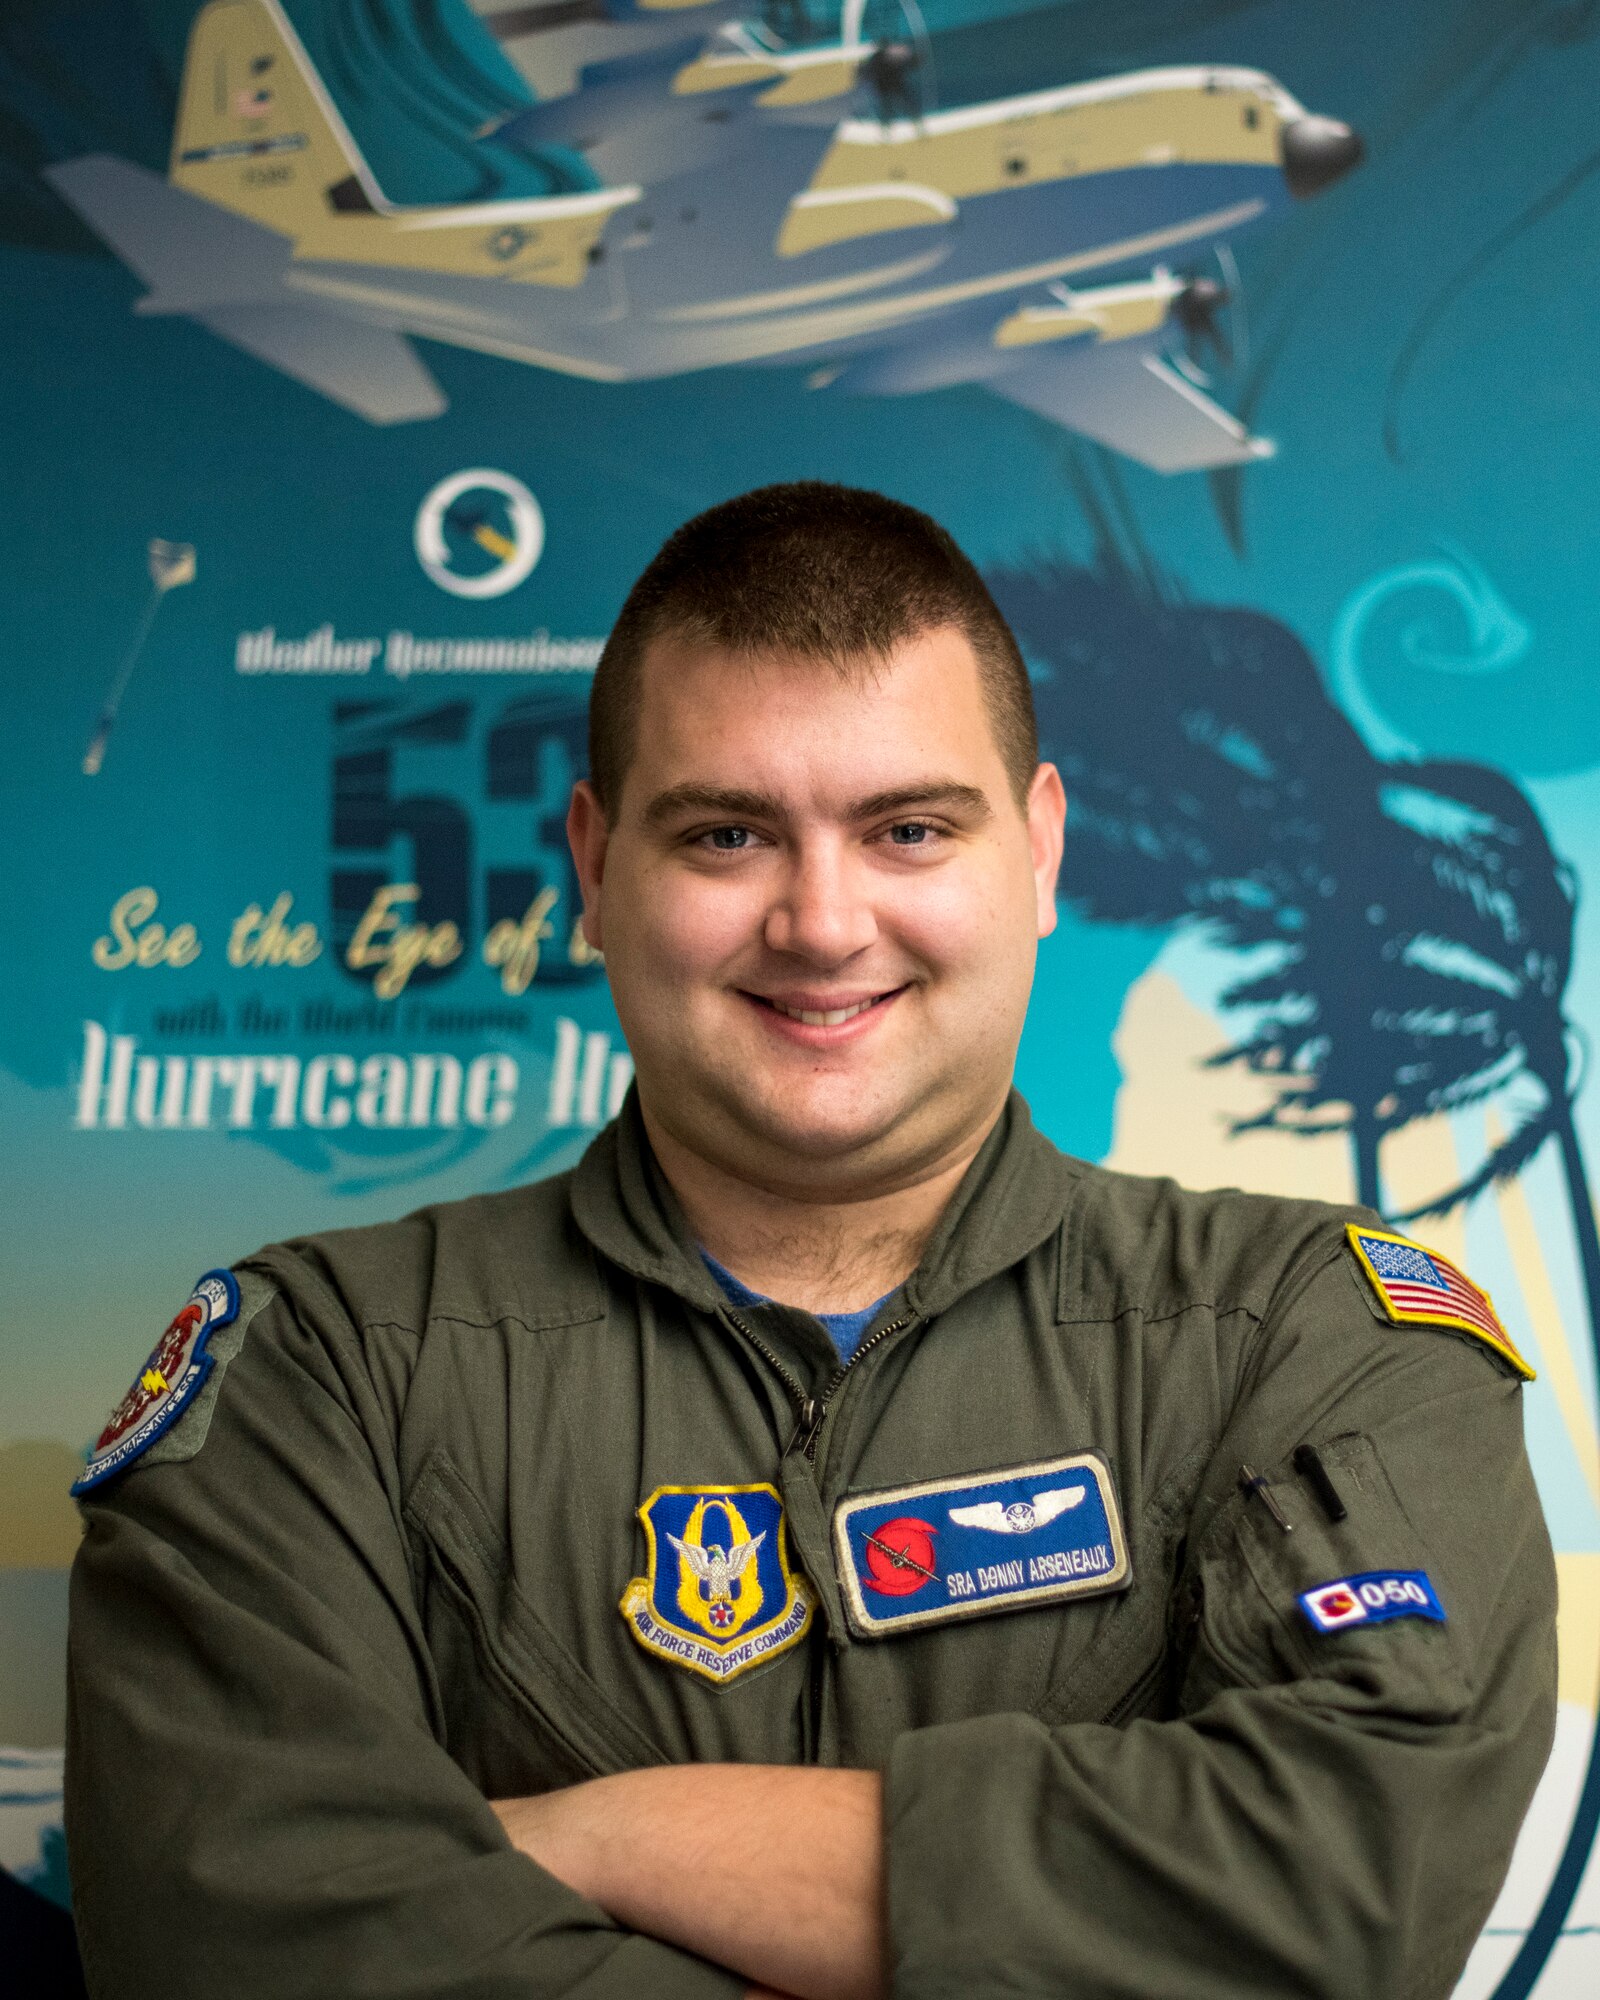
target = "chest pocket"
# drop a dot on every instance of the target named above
(521, 1715)
(1254, 1631)
(1116, 1665)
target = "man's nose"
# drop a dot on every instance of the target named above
(824, 910)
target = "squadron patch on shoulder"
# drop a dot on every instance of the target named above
(719, 1595)
(1417, 1285)
(958, 1548)
(167, 1383)
(1372, 1598)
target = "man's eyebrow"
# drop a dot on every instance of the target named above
(726, 802)
(729, 802)
(936, 792)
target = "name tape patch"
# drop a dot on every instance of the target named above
(1416, 1285)
(958, 1548)
(168, 1382)
(1372, 1598)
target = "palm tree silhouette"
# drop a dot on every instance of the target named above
(1431, 978)
(1410, 925)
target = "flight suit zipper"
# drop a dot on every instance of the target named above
(811, 1413)
(1132, 1699)
(1188, 1610)
(810, 1410)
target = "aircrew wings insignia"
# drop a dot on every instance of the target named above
(1022, 1516)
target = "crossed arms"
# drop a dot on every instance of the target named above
(261, 1716)
(796, 1856)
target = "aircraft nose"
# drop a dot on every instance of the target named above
(1317, 152)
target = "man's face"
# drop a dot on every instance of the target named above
(819, 904)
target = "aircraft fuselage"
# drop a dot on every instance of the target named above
(689, 275)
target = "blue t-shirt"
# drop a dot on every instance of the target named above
(845, 1330)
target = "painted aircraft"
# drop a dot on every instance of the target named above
(1023, 244)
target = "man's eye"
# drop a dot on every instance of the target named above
(911, 833)
(730, 839)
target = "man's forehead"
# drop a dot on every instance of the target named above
(673, 660)
(699, 703)
(774, 736)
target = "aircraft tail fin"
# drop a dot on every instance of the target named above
(368, 369)
(256, 130)
(226, 272)
(187, 251)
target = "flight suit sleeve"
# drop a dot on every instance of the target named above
(1325, 1814)
(258, 1801)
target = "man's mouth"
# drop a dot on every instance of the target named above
(824, 1017)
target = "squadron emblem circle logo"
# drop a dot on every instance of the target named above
(174, 1374)
(900, 1557)
(479, 533)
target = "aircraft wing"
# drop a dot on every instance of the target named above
(1131, 396)
(553, 41)
(637, 119)
(610, 96)
(631, 127)
(226, 271)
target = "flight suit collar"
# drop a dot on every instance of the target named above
(623, 1204)
(1013, 1196)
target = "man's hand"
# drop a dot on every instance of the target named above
(774, 1872)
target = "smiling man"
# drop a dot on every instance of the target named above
(829, 1543)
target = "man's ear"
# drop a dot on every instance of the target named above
(1047, 820)
(588, 836)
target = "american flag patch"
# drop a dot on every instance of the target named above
(1414, 1284)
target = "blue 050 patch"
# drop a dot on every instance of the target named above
(1372, 1598)
(957, 1548)
(167, 1383)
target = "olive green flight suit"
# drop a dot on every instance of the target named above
(370, 1580)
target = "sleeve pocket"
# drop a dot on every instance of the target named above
(1410, 1667)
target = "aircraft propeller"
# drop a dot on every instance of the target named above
(790, 20)
(1199, 309)
(899, 70)
(891, 74)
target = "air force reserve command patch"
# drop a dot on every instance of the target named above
(168, 1382)
(1417, 1285)
(958, 1548)
(718, 1595)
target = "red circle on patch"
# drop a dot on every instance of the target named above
(900, 1557)
(168, 1361)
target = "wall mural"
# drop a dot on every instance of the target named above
(359, 352)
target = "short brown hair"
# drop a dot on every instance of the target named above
(831, 573)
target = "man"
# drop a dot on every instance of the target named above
(828, 1543)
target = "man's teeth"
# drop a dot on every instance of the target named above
(831, 1019)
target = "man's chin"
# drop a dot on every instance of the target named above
(820, 1138)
